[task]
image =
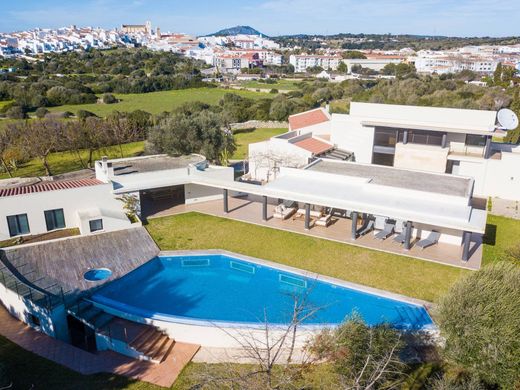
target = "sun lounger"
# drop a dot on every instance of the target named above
(324, 221)
(313, 213)
(283, 212)
(432, 239)
(367, 227)
(400, 238)
(386, 232)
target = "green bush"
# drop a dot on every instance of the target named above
(480, 319)
(41, 112)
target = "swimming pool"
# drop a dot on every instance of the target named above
(223, 289)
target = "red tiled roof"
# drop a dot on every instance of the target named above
(49, 186)
(313, 145)
(308, 118)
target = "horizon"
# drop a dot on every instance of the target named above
(439, 18)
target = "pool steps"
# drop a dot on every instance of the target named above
(147, 342)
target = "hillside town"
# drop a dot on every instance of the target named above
(233, 53)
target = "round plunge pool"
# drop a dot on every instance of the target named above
(97, 274)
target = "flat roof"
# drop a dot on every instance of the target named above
(153, 163)
(399, 178)
(424, 118)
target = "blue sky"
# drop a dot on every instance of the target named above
(275, 17)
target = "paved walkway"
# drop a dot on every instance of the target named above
(506, 208)
(86, 363)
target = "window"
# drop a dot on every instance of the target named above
(422, 137)
(18, 224)
(383, 159)
(385, 137)
(96, 225)
(54, 219)
(475, 140)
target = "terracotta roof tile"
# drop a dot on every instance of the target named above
(49, 186)
(308, 118)
(313, 145)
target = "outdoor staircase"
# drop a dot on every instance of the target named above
(338, 154)
(147, 341)
(153, 344)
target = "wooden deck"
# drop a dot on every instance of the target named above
(250, 210)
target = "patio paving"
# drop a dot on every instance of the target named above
(87, 363)
(249, 209)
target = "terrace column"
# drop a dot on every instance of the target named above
(226, 204)
(405, 137)
(466, 241)
(407, 235)
(487, 148)
(264, 208)
(353, 235)
(307, 216)
(444, 141)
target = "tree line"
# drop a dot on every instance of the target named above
(77, 77)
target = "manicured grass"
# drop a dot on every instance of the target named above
(283, 84)
(502, 233)
(403, 275)
(63, 162)
(243, 138)
(158, 102)
(4, 103)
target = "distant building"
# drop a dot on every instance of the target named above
(137, 28)
(304, 61)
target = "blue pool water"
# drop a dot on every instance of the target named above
(224, 289)
(97, 274)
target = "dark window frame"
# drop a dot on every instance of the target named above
(51, 220)
(94, 229)
(16, 219)
(480, 140)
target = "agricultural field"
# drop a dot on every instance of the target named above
(282, 84)
(158, 102)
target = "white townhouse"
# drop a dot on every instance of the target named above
(302, 62)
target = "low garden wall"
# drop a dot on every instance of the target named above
(259, 124)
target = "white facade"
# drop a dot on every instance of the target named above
(302, 62)
(494, 166)
(80, 205)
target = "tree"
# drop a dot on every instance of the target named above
(40, 138)
(16, 112)
(353, 54)
(108, 98)
(182, 134)
(342, 68)
(8, 137)
(365, 357)
(480, 319)
(41, 112)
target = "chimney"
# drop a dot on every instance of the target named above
(104, 164)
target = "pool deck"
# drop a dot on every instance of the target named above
(249, 209)
(87, 363)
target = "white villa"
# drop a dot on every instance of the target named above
(430, 139)
(404, 180)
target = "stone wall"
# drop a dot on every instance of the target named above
(259, 124)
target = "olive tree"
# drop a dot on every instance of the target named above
(480, 319)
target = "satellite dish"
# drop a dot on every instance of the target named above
(507, 119)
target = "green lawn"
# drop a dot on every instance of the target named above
(283, 84)
(63, 162)
(243, 138)
(4, 103)
(501, 234)
(403, 275)
(157, 102)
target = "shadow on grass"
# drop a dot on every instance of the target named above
(490, 235)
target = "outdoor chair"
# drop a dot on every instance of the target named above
(432, 239)
(283, 212)
(386, 232)
(324, 221)
(367, 227)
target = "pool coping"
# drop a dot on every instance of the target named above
(308, 274)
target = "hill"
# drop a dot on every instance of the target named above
(244, 30)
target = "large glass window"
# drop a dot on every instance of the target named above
(96, 225)
(475, 140)
(385, 137)
(18, 224)
(54, 219)
(422, 137)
